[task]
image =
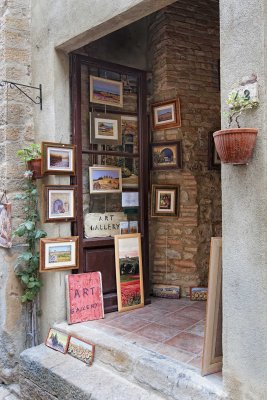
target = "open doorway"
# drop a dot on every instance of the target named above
(177, 49)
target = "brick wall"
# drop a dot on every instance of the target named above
(16, 129)
(184, 53)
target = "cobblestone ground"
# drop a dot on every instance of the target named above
(9, 392)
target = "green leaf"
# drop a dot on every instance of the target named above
(40, 234)
(29, 225)
(25, 279)
(26, 256)
(20, 231)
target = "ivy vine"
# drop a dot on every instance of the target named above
(27, 267)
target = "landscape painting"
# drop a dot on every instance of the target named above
(105, 179)
(57, 340)
(58, 159)
(166, 155)
(83, 351)
(105, 129)
(106, 91)
(129, 273)
(59, 254)
(166, 114)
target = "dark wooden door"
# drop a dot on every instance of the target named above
(97, 253)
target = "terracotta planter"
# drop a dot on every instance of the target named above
(235, 146)
(35, 166)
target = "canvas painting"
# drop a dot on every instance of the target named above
(106, 91)
(105, 128)
(59, 254)
(57, 340)
(129, 273)
(105, 179)
(58, 158)
(83, 351)
(166, 114)
(59, 203)
(164, 200)
(166, 155)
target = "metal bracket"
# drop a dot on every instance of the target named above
(12, 85)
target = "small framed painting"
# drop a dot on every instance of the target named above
(106, 91)
(82, 350)
(105, 128)
(105, 179)
(59, 254)
(166, 155)
(166, 114)
(198, 293)
(58, 158)
(57, 340)
(164, 201)
(214, 161)
(129, 272)
(59, 203)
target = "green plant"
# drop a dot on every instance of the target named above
(29, 153)
(27, 267)
(238, 104)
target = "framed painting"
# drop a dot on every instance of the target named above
(106, 91)
(214, 161)
(166, 155)
(212, 350)
(58, 158)
(164, 201)
(105, 128)
(105, 179)
(166, 114)
(59, 254)
(198, 293)
(57, 340)
(82, 350)
(129, 271)
(59, 203)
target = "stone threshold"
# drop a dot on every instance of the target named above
(146, 368)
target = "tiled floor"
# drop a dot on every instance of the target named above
(171, 327)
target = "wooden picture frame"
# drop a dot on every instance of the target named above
(106, 91)
(81, 349)
(129, 271)
(57, 340)
(214, 161)
(105, 128)
(58, 159)
(212, 350)
(59, 203)
(105, 179)
(165, 201)
(166, 114)
(166, 155)
(59, 254)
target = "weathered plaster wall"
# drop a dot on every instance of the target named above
(244, 188)
(16, 129)
(67, 27)
(184, 51)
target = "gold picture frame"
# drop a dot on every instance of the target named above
(59, 254)
(58, 159)
(106, 91)
(129, 271)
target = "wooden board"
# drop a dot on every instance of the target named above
(84, 297)
(212, 351)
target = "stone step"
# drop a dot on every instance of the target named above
(49, 375)
(152, 371)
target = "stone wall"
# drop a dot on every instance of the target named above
(184, 54)
(16, 128)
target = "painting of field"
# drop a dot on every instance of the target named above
(58, 254)
(105, 129)
(165, 114)
(106, 180)
(106, 91)
(84, 351)
(59, 158)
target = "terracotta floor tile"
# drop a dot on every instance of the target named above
(187, 341)
(113, 331)
(191, 312)
(142, 341)
(158, 333)
(148, 313)
(174, 353)
(168, 307)
(197, 329)
(127, 322)
(180, 323)
(199, 304)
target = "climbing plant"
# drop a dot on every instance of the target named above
(27, 267)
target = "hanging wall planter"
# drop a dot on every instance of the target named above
(35, 167)
(31, 155)
(235, 146)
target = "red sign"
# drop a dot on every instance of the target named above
(84, 297)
